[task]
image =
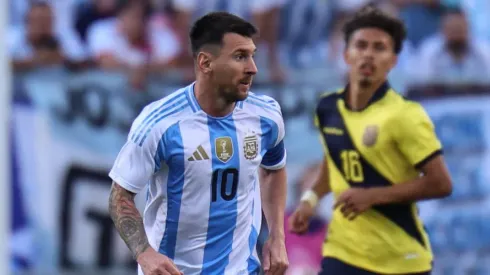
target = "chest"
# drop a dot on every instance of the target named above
(349, 133)
(209, 145)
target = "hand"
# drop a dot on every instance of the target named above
(275, 260)
(355, 201)
(300, 219)
(154, 263)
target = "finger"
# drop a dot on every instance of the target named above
(343, 198)
(282, 268)
(163, 272)
(172, 269)
(346, 209)
(267, 259)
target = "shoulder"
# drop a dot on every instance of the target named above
(328, 101)
(158, 116)
(407, 113)
(262, 105)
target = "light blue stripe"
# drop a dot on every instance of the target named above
(154, 113)
(270, 132)
(252, 264)
(170, 112)
(193, 98)
(189, 98)
(222, 213)
(262, 104)
(174, 151)
(261, 99)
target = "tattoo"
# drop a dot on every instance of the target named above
(127, 220)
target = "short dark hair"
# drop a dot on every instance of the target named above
(212, 27)
(372, 17)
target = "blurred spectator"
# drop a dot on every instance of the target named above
(92, 11)
(477, 12)
(305, 252)
(266, 15)
(38, 44)
(454, 56)
(421, 18)
(134, 42)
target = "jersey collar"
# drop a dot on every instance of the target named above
(378, 95)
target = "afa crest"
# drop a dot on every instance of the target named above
(250, 147)
(223, 148)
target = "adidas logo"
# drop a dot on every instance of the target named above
(199, 154)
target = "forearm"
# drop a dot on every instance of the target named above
(273, 191)
(127, 220)
(321, 186)
(412, 191)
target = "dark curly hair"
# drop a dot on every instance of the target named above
(372, 17)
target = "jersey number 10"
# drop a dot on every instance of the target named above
(351, 164)
(228, 176)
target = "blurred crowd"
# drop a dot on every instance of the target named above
(447, 51)
(448, 40)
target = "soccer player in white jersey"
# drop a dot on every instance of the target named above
(201, 150)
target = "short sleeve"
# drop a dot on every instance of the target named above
(275, 157)
(416, 136)
(138, 159)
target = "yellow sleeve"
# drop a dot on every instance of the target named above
(416, 136)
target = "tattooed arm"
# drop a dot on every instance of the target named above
(127, 220)
(130, 226)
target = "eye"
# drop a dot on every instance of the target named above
(240, 57)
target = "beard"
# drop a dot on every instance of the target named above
(457, 46)
(365, 83)
(230, 93)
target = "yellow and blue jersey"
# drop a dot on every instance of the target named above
(382, 145)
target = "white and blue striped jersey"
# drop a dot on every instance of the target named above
(203, 209)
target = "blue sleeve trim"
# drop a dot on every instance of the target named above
(274, 155)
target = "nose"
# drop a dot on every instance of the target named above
(251, 68)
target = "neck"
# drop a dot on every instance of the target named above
(210, 102)
(358, 96)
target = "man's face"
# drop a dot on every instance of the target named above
(370, 56)
(455, 29)
(39, 22)
(133, 21)
(233, 69)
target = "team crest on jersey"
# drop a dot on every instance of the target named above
(223, 148)
(250, 146)
(370, 135)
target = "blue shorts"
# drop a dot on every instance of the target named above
(332, 266)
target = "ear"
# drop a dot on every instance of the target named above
(394, 60)
(346, 56)
(204, 62)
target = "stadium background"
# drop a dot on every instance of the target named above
(71, 113)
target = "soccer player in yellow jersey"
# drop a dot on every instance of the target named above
(381, 156)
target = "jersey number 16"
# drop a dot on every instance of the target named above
(225, 177)
(351, 164)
